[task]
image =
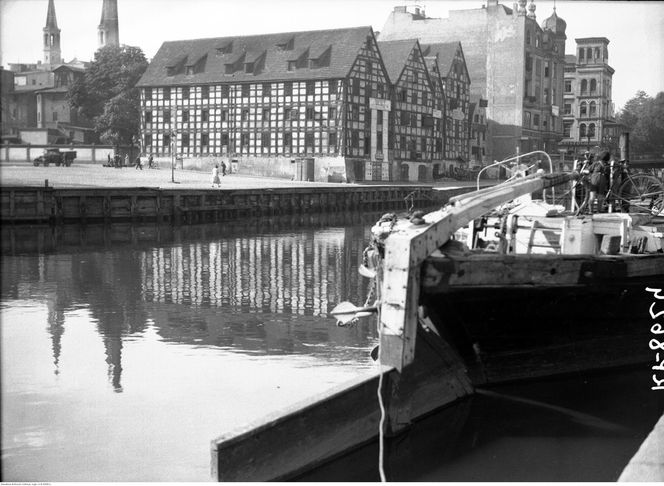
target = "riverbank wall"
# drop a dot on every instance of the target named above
(25, 204)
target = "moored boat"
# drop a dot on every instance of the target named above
(519, 288)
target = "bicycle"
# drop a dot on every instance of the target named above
(632, 192)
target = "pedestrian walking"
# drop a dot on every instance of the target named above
(215, 176)
(223, 168)
(150, 162)
(138, 163)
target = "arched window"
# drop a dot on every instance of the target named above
(538, 41)
(584, 109)
(528, 38)
(589, 54)
(596, 52)
(593, 85)
(591, 130)
(593, 108)
(582, 130)
(584, 85)
(581, 54)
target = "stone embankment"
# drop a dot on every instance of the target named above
(87, 194)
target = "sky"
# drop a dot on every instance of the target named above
(635, 29)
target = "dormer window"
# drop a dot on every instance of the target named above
(189, 70)
(249, 67)
(235, 64)
(299, 59)
(177, 66)
(287, 45)
(225, 49)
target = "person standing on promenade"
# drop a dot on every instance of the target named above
(215, 176)
(138, 163)
(223, 168)
(126, 160)
(150, 162)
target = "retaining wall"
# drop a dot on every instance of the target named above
(46, 204)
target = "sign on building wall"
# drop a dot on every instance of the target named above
(379, 104)
(458, 114)
(555, 110)
(437, 114)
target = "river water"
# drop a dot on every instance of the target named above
(126, 349)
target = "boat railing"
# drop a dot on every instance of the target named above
(516, 158)
(522, 172)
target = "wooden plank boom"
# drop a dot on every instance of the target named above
(408, 245)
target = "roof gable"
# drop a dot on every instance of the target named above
(395, 56)
(446, 52)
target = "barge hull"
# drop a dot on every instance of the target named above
(590, 314)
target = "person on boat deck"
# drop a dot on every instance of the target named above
(596, 183)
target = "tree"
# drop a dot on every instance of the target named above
(644, 118)
(107, 93)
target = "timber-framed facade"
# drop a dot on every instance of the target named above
(412, 119)
(301, 105)
(456, 86)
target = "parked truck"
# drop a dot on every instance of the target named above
(55, 156)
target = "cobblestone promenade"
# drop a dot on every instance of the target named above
(86, 176)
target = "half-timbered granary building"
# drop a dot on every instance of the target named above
(311, 105)
(412, 109)
(456, 84)
(439, 116)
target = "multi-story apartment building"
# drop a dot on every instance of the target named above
(306, 104)
(456, 85)
(412, 124)
(513, 63)
(588, 113)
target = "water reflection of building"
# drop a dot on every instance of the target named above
(108, 288)
(255, 290)
(294, 274)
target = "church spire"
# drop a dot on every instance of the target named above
(52, 53)
(108, 26)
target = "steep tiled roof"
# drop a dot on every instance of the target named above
(395, 55)
(445, 52)
(224, 59)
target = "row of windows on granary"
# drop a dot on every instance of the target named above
(357, 113)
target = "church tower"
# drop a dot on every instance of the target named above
(52, 53)
(108, 26)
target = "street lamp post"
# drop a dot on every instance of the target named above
(172, 133)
